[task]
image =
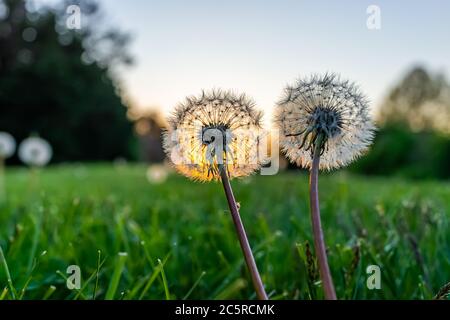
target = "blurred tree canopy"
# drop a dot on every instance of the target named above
(59, 83)
(421, 101)
(398, 151)
(414, 130)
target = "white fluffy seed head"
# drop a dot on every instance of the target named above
(7, 145)
(198, 124)
(157, 174)
(35, 152)
(328, 108)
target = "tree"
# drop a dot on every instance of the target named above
(414, 124)
(58, 83)
(421, 101)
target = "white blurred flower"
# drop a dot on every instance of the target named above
(157, 173)
(35, 152)
(7, 145)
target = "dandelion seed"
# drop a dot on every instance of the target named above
(216, 128)
(327, 111)
(35, 152)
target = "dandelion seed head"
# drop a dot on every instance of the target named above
(35, 152)
(328, 111)
(7, 145)
(157, 174)
(216, 128)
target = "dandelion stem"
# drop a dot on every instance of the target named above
(2, 180)
(248, 255)
(319, 242)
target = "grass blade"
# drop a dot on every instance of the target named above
(96, 275)
(4, 293)
(195, 285)
(62, 275)
(89, 280)
(164, 279)
(232, 289)
(120, 265)
(153, 277)
(49, 292)
(8, 275)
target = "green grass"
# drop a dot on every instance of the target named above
(136, 240)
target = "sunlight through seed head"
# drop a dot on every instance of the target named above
(200, 124)
(35, 152)
(324, 106)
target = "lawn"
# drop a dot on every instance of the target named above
(175, 240)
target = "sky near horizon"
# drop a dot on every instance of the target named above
(257, 47)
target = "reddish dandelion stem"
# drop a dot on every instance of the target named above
(248, 255)
(319, 242)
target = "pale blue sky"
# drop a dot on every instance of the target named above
(258, 46)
